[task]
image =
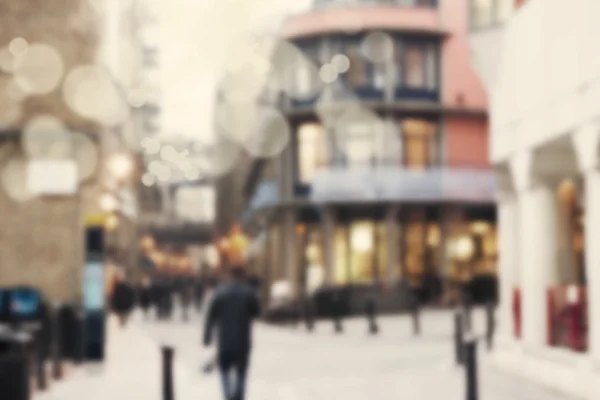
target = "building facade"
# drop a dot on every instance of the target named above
(544, 147)
(386, 179)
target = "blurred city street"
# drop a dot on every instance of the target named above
(293, 364)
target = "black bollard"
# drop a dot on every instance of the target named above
(337, 314)
(490, 325)
(167, 370)
(309, 316)
(470, 347)
(371, 312)
(56, 346)
(416, 319)
(458, 338)
(40, 364)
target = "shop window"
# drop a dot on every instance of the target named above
(340, 250)
(362, 248)
(418, 143)
(314, 260)
(382, 256)
(312, 150)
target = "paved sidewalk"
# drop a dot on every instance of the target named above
(292, 364)
(132, 371)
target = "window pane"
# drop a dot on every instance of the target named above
(362, 249)
(357, 74)
(340, 259)
(419, 138)
(482, 12)
(431, 67)
(312, 150)
(414, 66)
(359, 143)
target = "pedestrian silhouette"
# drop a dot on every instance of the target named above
(232, 310)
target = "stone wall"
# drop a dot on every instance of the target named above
(42, 239)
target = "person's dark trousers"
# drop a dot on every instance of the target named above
(234, 368)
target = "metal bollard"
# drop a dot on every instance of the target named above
(490, 325)
(458, 338)
(167, 370)
(371, 312)
(416, 319)
(337, 316)
(309, 316)
(56, 346)
(40, 364)
(470, 346)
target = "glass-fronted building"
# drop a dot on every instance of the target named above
(386, 180)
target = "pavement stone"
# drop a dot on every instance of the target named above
(293, 364)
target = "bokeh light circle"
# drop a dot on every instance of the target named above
(39, 69)
(14, 179)
(46, 136)
(378, 47)
(271, 136)
(86, 154)
(91, 92)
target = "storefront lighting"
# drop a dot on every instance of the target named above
(480, 227)
(362, 238)
(108, 203)
(121, 166)
(112, 223)
(464, 248)
(147, 243)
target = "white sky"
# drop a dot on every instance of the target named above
(198, 38)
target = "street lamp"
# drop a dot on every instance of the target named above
(121, 166)
(109, 203)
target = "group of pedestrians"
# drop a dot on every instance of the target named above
(232, 306)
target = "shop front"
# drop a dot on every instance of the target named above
(434, 251)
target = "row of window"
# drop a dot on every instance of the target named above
(412, 143)
(410, 63)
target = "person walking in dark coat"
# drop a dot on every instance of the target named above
(123, 299)
(232, 311)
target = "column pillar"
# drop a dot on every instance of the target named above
(537, 208)
(585, 142)
(328, 219)
(508, 250)
(537, 211)
(393, 245)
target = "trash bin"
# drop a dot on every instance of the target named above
(14, 364)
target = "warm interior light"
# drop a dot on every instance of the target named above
(121, 166)
(480, 227)
(464, 248)
(362, 237)
(108, 203)
(112, 222)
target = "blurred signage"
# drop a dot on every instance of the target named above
(195, 204)
(52, 177)
(93, 290)
(24, 303)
